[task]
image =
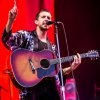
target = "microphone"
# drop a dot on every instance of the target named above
(52, 22)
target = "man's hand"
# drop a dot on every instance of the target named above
(74, 65)
(13, 13)
(76, 62)
(11, 17)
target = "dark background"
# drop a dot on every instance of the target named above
(81, 19)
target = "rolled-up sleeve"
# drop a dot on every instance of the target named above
(5, 37)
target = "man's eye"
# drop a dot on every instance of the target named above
(48, 17)
(43, 16)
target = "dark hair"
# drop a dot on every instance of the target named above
(43, 10)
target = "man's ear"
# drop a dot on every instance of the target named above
(36, 22)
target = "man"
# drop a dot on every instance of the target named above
(35, 41)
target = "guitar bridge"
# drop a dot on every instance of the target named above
(32, 66)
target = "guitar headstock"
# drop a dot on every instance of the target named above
(93, 54)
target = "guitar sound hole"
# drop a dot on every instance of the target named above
(44, 63)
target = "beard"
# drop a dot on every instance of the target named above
(44, 28)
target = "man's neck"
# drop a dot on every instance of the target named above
(42, 34)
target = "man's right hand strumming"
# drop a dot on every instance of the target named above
(11, 17)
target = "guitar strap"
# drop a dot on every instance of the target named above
(35, 38)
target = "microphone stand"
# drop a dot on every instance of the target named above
(61, 75)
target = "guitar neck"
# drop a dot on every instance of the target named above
(68, 58)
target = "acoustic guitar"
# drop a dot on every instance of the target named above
(30, 67)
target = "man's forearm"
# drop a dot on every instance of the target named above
(9, 26)
(67, 70)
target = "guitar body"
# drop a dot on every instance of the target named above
(28, 67)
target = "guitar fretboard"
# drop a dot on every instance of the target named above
(70, 58)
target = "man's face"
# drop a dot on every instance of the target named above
(41, 21)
